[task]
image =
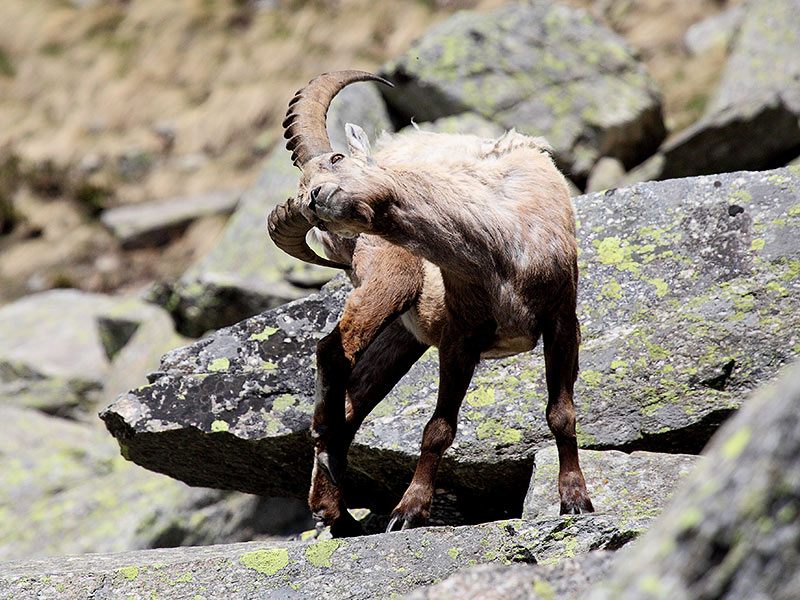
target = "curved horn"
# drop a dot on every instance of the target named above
(305, 130)
(288, 228)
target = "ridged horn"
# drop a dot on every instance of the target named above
(305, 130)
(288, 228)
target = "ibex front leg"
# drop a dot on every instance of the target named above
(381, 366)
(368, 316)
(458, 357)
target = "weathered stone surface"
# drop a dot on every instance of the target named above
(55, 347)
(732, 531)
(359, 568)
(607, 173)
(570, 579)
(717, 30)
(689, 298)
(245, 273)
(140, 353)
(467, 122)
(543, 68)
(154, 223)
(624, 485)
(753, 121)
(64, 489)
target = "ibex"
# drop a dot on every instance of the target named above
(450, 241)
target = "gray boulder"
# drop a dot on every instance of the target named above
(382, 566)
(732, 531)
(64, 489)
(753, 120)
(570, 579)
(154, 223)
(690, 297)
(466, 122)
(625, 485)
(245, 273)
(716, 30)
(57, 348)
(541, 67)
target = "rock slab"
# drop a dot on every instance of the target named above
(732, 532)
(543, 68)
(64, 489)
(381, 566)
(752, 122)
(624, 485)
(57, 348)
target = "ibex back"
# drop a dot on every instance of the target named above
(451, 241)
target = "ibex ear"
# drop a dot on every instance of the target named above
(358, 143)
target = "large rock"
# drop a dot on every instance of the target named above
(541, 67)
(570, 579)
(626, 485)
(382, 566)
(245, 273)
(155, 223)
(64, 489)
(57, 347)
(753, 121)
(732, 531)
(690, 296)
(716, 30)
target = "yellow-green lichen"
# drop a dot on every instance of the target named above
(219, 364)
(543, 590)
(612, 290)
(496, 428)
(268, 331)
(481, 396)
(217, 426)
(319, 554)
(661, 287)
(267, 562)
(736, 443)
(129, 572)
(651, 585)
(609, 251)
(283, 402)
(592, 378)
(690, 518)
(453, 553)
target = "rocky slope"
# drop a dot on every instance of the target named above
(689, 298)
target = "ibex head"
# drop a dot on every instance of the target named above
(323, 170)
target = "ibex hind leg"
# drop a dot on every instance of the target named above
(561, 337)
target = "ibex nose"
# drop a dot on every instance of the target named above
(312, 205)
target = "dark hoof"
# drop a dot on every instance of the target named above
(577, 506)
(401, 521)
(332, 466)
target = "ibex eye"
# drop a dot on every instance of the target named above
(336, 158)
